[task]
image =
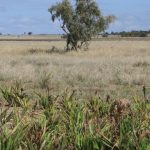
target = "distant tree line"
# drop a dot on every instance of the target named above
(128, 34)
(29, 33)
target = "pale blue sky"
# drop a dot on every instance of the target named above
(19, 16)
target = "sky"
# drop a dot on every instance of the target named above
(19, 16)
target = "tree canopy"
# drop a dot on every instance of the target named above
(80, 22)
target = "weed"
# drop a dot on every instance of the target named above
(15, 96)
(44, 80)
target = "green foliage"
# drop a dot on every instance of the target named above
(79, 22)
(15, 96)
(67, 122)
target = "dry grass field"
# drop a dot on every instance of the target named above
(52, 99)
(118, 68)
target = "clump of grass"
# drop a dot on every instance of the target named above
(45, 51)
(44, 80)
(42, 63)
(13, 63)
(118, 80)
(35, 51)
(2, 77)
(53, 50)
(81, 78)
(141, 64)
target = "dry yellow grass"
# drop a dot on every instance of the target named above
(108, 66)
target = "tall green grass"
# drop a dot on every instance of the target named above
(66, 121)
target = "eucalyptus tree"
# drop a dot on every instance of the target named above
(80, 22)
